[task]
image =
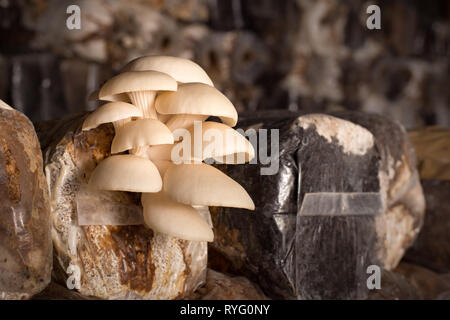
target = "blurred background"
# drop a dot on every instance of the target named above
(299, 55)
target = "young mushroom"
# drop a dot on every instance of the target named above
(195, 102)
(141, 133)
(141, 88)
(118, 113)
(182, 70)
(126, 172)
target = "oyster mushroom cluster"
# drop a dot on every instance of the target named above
(159, 107)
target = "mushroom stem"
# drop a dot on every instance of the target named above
(145, 101)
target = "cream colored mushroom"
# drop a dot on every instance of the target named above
(202, 184)
(196, 99)
(118, 113)
(182, 70)
(141, 133)
(217, 141)
(141, 87)
(175, 219)
(126, 173)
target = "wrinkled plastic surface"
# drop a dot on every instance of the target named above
(266, 240)
(25, 243)
(262, 245)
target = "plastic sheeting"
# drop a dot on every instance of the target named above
(334, 243)
(98, 207)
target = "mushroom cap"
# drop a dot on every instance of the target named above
(202, 184)
(217, 141)
(115, 97)
(140, 133)
(220, 142)
(132, 81)
(126, 173)
(110, 112)
(182, 70)
(183, 121)
(4, 105)
(197, 98)
(175, 219)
